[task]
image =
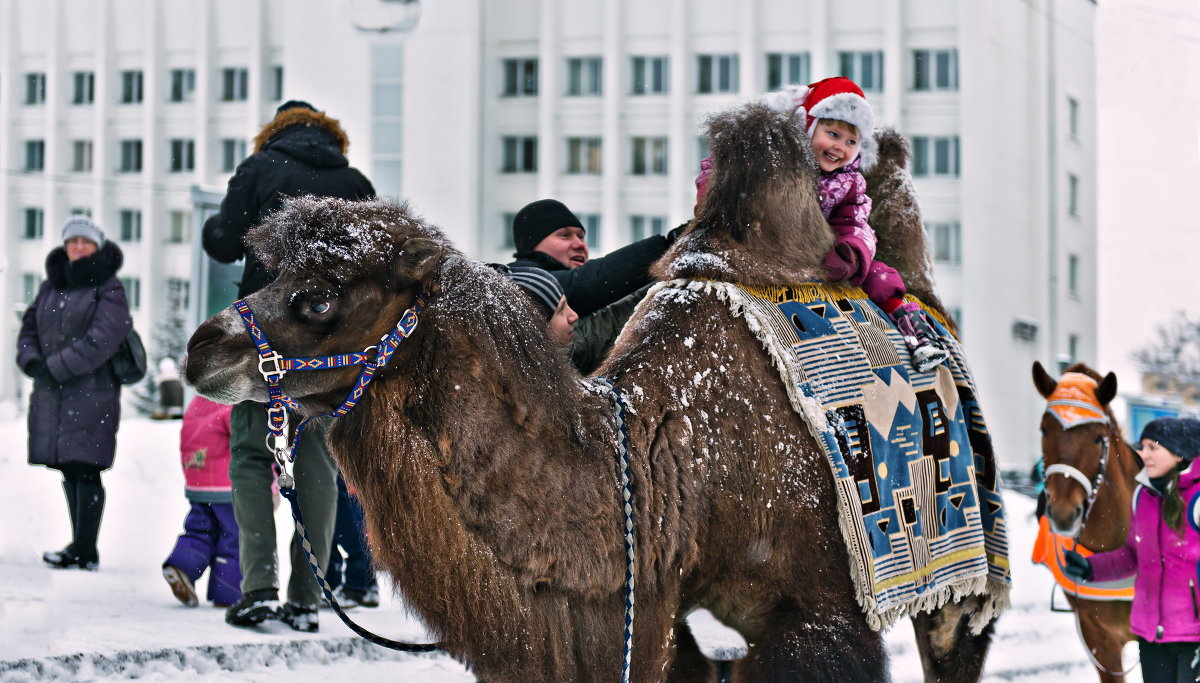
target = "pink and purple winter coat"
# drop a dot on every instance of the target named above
(204, 447)
(847, 207)
(1166, 604)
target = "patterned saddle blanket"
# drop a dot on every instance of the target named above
(917, 483)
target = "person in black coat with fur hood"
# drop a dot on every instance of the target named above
(299, 152)
(68, 335)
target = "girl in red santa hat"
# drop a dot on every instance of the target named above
(841, 125)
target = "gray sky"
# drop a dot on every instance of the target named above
(1148, 149)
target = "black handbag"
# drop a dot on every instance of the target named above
(129, 363)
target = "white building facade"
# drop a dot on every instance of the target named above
(490, 104)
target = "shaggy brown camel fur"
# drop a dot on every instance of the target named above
(487, 468)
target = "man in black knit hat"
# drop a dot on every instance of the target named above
(603, 291)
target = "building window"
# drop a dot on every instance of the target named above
(701, 149)
(506, 220)
(81, 156)
(520, 77)
(649, 156)
(649, 76)
(178, 294)
(85, 87)
(80, 211)
(183, 156)
(30, 284)
(1073, 347)
(131, 225)
(133, 291)
(276, 93)
(1073, 118)
(131, 87)
(591, 229)
(935, 156)
(35, 156)
(1073, 195)
(131, 156)
(584, 76)
(179, 227)
(583, 155)
(234, 84)
(35, 88)
(232, 153)
(716, 74)
(790, 68)
(519, 154)
(1073, 275)
(35, 221)
(864, 68)
(935, 69)
(947, 244)
(183, 85)
(641, 227)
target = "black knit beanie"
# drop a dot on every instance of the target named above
(537, 220)
(293, 104)
(1180, 435)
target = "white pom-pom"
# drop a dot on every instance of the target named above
(788, 99)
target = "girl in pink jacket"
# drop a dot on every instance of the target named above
(1162, 550)
(210, 532)
(841, 125)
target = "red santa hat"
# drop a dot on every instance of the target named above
(835, 98)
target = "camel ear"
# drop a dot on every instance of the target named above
(417, 259)
(1107, 390)
(1042, 380)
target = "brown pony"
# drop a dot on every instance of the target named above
(487, 468)
(1072, 451)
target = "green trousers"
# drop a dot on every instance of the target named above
(251, 475)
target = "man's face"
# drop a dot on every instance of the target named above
(566, 245)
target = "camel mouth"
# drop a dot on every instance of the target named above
(223, 383)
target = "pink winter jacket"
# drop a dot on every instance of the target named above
(847, 207)
(1166, 601)
(204, 447)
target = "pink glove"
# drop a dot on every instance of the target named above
(706, 167)
(841, 263)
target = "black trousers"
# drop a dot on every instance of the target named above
(1169, 662)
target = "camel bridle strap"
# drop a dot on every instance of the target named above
(273, 367)
(618, 400)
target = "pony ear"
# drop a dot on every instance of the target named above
(1043, 381)
(417, 259)
(1107, 390)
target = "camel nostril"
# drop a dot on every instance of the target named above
(205, 335)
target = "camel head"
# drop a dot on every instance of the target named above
(346, 272)
(760, 220)
(1074, 437)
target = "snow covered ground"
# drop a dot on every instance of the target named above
(123, 622)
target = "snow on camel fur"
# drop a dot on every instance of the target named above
(487, 467)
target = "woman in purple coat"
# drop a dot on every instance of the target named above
(69, 333)
(1162, 550)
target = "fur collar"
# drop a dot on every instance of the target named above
(299, 116)
(86, 272)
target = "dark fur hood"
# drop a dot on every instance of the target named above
(86, 272)
(307, 135)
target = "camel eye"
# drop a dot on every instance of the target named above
(315, 306)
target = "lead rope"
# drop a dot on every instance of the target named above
(627, 503)
(1094, 489)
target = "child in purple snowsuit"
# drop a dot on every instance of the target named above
(1162, 551)
(210, 532)
(841, 125)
